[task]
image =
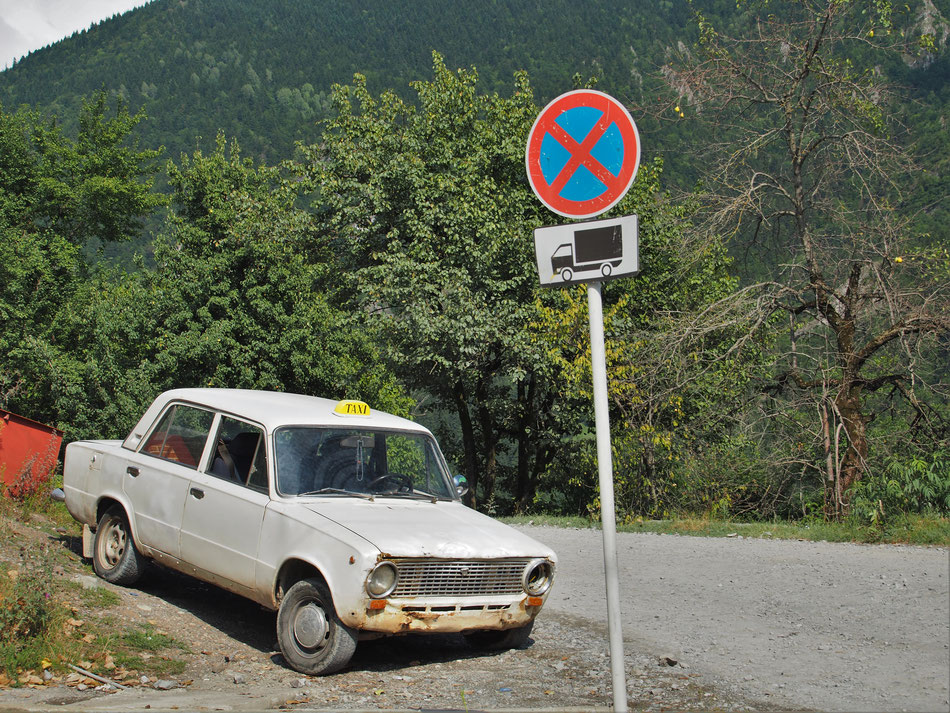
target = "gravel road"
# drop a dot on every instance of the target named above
(826, 626)
(752, 624)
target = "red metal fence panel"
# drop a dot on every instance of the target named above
(28, 453)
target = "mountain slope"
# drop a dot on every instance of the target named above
(262, 71)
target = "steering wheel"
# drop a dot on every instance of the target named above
(403, 482)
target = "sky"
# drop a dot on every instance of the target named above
(27, 25)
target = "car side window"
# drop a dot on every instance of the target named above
(180, 435)
(239, 454)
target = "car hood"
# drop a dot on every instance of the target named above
(412, 528)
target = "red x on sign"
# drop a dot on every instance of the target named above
(582, 154)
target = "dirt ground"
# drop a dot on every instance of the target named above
(687, 602)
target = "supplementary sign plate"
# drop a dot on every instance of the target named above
(582, 252)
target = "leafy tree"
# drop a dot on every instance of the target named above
(56, 195)
(675, 381)
(238, 295)
(98, 186)
(430, 215)
(809, 163)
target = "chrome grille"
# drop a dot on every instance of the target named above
(459, 578)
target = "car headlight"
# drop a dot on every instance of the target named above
(538, 576)
(382, 580)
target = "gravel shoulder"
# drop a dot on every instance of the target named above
(752, 625)
(813, 625)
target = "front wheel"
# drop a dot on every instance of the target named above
(114, 556)
(312, 638)
(491, 640)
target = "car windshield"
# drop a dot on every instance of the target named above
(341, 461)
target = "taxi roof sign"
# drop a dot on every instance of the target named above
(349, 407)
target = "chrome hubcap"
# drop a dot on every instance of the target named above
(310, 626)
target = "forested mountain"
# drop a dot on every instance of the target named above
(262, 71)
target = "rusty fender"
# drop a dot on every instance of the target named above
(406, 615)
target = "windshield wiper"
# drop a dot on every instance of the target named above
(337, 491)
(416, 495)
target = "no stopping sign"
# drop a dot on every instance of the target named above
(582, 154)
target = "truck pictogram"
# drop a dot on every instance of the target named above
(597, 249)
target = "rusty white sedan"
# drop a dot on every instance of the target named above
(344, 519)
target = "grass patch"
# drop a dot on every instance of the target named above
(39, 502)
(148, 650)
(48, 620)
(140, 649)
(40, 621)
(148, 638)
(98, 597)
(906, 529)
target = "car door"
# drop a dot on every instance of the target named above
(224, 507)
(157, 476)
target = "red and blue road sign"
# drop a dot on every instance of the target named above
(583, 152)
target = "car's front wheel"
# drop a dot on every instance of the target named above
(490, 640)
(312, 638)
(114, 556)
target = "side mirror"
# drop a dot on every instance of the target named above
(461, 485)
(58, 495)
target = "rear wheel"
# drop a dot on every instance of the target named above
(114, 556)
(312, 638)
(500, 640)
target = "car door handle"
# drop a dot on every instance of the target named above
(133, 471)
(197, 493)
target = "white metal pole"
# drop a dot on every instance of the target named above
(605, 470)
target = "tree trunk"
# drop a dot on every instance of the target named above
(524, 427)
(648, 460)
(854, 464)
(490, 438)
(532, 455)
(832, 485)
(468, 443)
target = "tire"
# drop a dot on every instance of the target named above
(566, 274)
(114, 556)
(500, 640)
(606, 269)
(312, 638)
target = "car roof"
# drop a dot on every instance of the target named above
(271, 409)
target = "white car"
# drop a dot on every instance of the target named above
(343, 519)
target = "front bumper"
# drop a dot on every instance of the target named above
(399, 616)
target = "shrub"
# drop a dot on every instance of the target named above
(27, 614)
(903, 486)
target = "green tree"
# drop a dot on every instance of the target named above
(430, 215)
(238, 297)
(677, 369)
(57, 195)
